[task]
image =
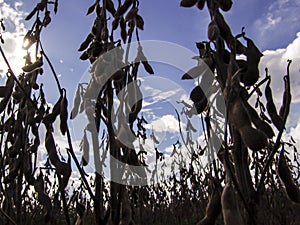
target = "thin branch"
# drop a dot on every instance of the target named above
(7, 216)
(71, 150)
(52, 68)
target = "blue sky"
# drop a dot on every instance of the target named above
(273, 25)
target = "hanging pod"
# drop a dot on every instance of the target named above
(285, 175)
(230, 208)
(64, 113)
(271, 108)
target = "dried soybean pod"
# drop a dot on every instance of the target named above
(10, 85)
(34, 66)
(85, 147)
(200, 4)
(131, 14)
(51, 148)
(253, 138)
(200, 100)
(3, 91)
(188, 3)
(213, 31)
(110, 7)
(64, 114)
(285, 175)
(66, 172)
(123, 29)
(287, 98)
(225, 5)
(148, 67)
(86, 42)
(271, 108)
(259, 123)
(139, 22)
(51, 117)
(43, 198)
(76, 104)
(230, 208)
(213, 208)
(239, 116)
(123, 8)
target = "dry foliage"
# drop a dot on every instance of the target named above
(252, 181)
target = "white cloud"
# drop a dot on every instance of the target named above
(165, 123)
(281, 18)
(276, 61)
(13, 35)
